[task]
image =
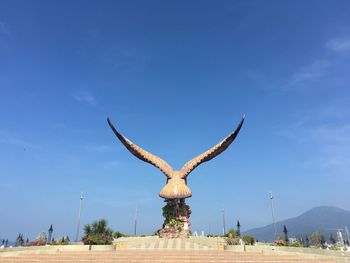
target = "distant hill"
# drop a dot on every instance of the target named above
(324, 218)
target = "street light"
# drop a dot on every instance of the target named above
(273, 213)
(135, 222)
(223, 222)
(50, 235)
(81, 200)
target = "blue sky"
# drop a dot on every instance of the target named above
(175, 77)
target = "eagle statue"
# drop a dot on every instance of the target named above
(176, 185)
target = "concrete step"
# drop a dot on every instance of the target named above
(178, 243)
(164, 243)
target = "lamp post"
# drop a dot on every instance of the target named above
(78, 226)
(273, 214)
(50, 235)
(223, 222)
(135, 222)
(238, 228)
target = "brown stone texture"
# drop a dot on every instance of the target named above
(177, 224)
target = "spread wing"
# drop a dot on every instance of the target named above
(211, 153)
(142, 154)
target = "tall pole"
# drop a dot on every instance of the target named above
(78, 226)
(135, 221)
(273, 214)
(223, 222)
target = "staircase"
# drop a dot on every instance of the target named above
(193, 243)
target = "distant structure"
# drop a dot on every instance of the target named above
(79, 214)
(238, 228)
(49, 239)
(176, 212)
(285, 233)
(273, 215)
(223, 222)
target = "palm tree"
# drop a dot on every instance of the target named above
(98, 233)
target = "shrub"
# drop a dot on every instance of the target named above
(334, 247)
(281, 242)
(231, 233)
(36, 243)
(98, 233)
(317, 239)
(296, 243)
(61, 241)
(39, 241)
(233, 241)
(248, 240)
(212, 235)
(172, 222)
(169, 212)
(42, 237)
(118, 234)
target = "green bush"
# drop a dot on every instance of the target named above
(212, 235)
(98, 233)
(248, 240)
(296, 243)
(172, 222)
(169, 212)
(118, 234)
(231, 233)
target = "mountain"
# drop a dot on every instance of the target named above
(325, 219)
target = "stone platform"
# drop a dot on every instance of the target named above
(169, 256)
(154, 249)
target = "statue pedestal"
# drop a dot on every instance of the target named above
(176, 219)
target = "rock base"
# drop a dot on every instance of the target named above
(176, 223)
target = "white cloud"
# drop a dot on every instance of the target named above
(319, 67)
(327, 132)
(85, 96)
(3, 27)
(339, 44)
(311, 72)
